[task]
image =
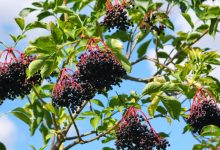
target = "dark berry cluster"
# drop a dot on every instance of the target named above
(13, 78)
(116, 16)
(100, 68)
(150, 23)
(135, 133)
(70, 92)
(204, 111)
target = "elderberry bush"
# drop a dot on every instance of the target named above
(14, 81)
(101, 69)
(205, 113)
(134, 134)
(70, 92)
(117, 18)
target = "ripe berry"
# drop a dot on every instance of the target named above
(204, 111)
(13, 80)
(100, 68)
(135, 133)
(116, 16)
(70, 92)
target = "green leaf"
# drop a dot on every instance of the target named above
(48, 68)
(98, 102)
(88, 113)
(13, 37)
(213, 27)
(210, 130)
(20, 22)
(2, 146)
(143, 48)
(188, 19)
(24, 12)
(21, 114)
(162, 55)
(153, 105)
(95, 121)
(152, 87)
(44, 131)
(36, 24)
(46, 43)
(34, 67)
(62, 9)
(50, 108)
(172, 105)
(115, 45)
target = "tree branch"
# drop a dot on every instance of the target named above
(82, 135)
(127, 77)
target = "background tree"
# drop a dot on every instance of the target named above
(125, 30)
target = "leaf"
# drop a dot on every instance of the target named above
(210, 130)
(115, 45)
(152, 88)
(188, 19)
(46, 43)
(34, 67)
(36, 24)
(98, 102)
(44, 131)
(50, 108)
(21, 114)
(213, 27)
(88, 113)
(108, 148)
(172, 105)
(20, 22)
(62, 9)
(2, 146)
(143, 48)
(162, 55)
(48, 68)
(153, 105)
(95, 121)
(13, 37)
(24, 12)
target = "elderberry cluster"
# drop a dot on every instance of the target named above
(70, 92)
(149, 23)
(133, 134)
(117, 18)
(13, 79)
(203, 114)
(101, 69)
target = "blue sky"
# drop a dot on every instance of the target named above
(15, 134)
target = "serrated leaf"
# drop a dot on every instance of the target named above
(21, 114)
(143, 48)
(46, 43)
(36, 24)
(24, 12)
(13, 37)
(94, 122)
(152, 88)
(98, 102)
(88, 113)
(210, 130)
(20, 22)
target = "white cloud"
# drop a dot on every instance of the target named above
(8, 133)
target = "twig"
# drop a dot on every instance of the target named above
(82, 135)
(37, 94)
(92, 139)
(75, 126)
(127, 77)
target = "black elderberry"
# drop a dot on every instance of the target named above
(117, 17)
(204, 111)
(13, 79)
(70, 92)
(135, 133)
(100, 68)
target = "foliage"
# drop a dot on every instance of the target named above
(179, 73)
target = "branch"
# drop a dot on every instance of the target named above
(151, 59)
(127, 77)
(92, 139)
(37, 94)
(75, 126)
(180, 52)
(82, 135)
